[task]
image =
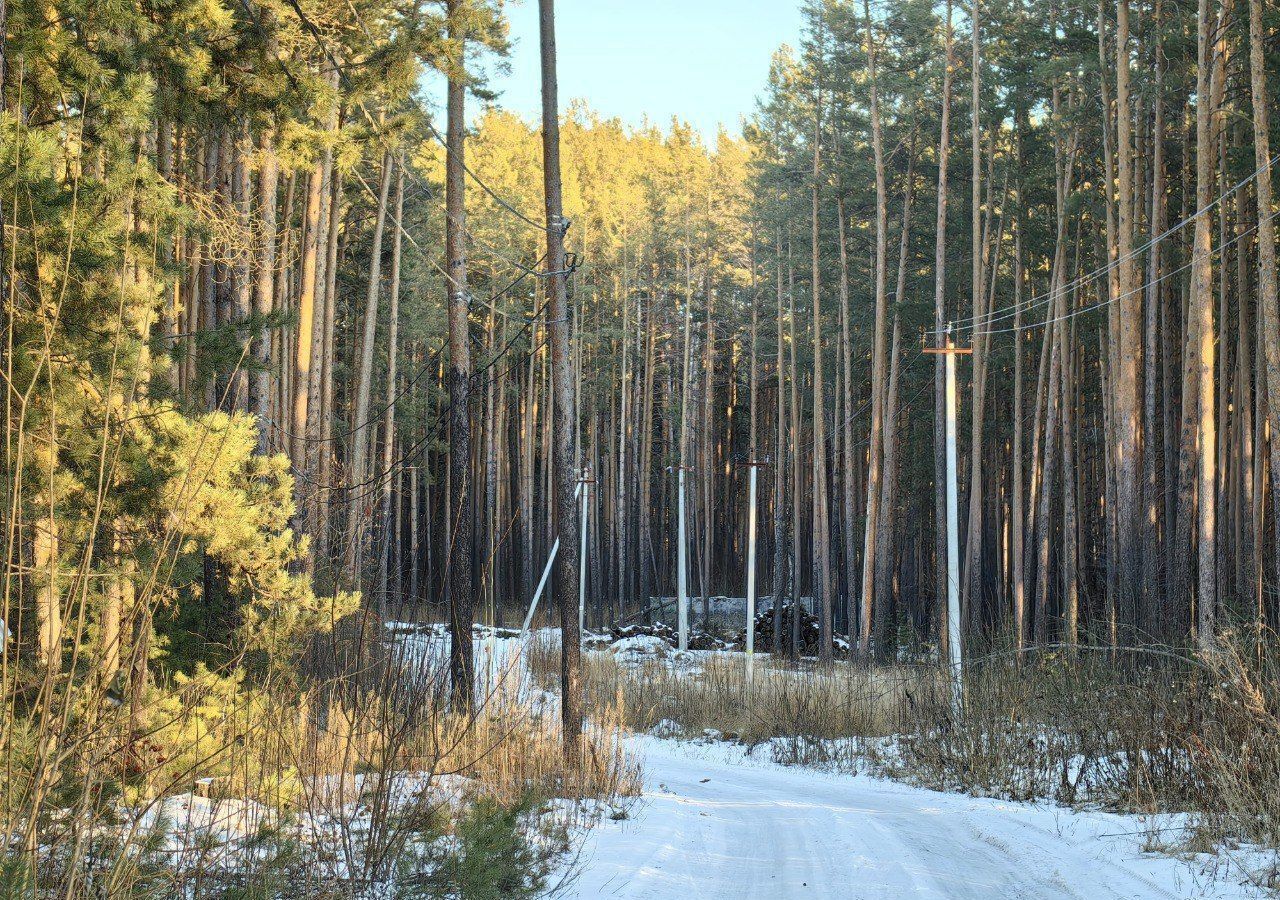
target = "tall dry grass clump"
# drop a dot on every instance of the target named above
(1235, 750)
(1146, 729)
(820, 715)
(1082, 725)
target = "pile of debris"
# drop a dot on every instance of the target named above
(698, 638)
(810, 632)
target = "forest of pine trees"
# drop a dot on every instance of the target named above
(292, 345)
(242, 212)
(1029, 176)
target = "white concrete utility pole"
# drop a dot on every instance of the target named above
(751, 572)
(682, 566)
(949, 350)
(585, 483)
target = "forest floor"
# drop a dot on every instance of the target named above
(716, 820)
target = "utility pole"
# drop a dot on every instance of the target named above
(754, 465)
(586, 483)
(682, 563)
(950, 350)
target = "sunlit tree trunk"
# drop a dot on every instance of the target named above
(821, 526)
(389, 413)
(303, 362)
(1268, 314)
(1211, 49)
(875, 463)
(885, 533)
(970, 595)
(1129, 319)
(1152, 594)
(48, 597)
(779, 464)
(264, 300)
(848, 528)
(361, 432)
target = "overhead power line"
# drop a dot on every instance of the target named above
(973, 322)
(490, 191)
(1137, 290)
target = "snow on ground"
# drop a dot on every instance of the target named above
(497, 653)
(715, 822)
(641, 645)
(223, 832)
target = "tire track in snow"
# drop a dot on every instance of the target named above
(717, 828)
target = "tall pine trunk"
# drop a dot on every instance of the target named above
(1267, 299)
(875, 464)
(1129, 319)
(361, 432)
(460, 512)
(562, 376)
(389, 533)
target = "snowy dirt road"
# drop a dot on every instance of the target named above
(715, 824)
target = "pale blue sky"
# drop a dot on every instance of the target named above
(702, 60)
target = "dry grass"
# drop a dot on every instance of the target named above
(1074, 728)
(1236, 751)
(511, 745)
(819, 716)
